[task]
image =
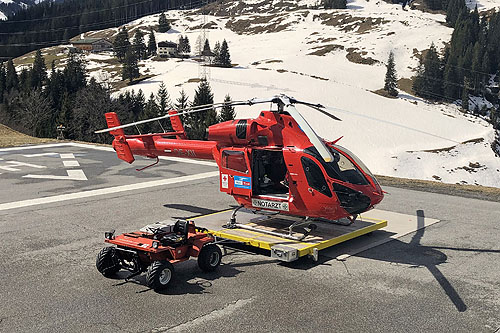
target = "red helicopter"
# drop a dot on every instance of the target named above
(275, 162)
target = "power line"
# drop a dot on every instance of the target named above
(76, 14)
(97, 24)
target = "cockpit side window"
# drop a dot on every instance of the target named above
(315, 177)
(234, 160)
(340, 168)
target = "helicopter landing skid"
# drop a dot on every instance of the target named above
(289, 235)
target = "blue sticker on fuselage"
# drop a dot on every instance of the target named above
(243, 182)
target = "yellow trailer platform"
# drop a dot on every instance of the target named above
(266, 230)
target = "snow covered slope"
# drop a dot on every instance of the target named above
(336, 58)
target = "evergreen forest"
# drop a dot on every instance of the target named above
(52, 23)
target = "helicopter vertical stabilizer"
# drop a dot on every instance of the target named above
(177, 126)
(119, 143)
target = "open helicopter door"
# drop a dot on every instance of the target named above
(235, 172)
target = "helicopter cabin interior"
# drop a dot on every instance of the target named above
(266, 168)
(269, 173)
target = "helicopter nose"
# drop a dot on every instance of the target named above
(376, 196)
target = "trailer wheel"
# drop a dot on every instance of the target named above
(159, 274)
(209, 258)
(107, 262)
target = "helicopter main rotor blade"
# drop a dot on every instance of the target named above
(317, 107)
(390, 123)
(307, 129)
(181, 112)
(150, 120)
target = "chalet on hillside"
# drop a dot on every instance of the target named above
(167, 49)
(93, 44)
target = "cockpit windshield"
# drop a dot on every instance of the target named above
(341, 167)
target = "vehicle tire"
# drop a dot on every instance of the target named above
(159, 274)
(107, 262)
(209, 258)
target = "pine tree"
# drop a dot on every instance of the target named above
(151, 110)
(198, 122)
(130, 69)
(206, 49)
(454, 9)
(429, 80)
(182, 102)
(217, 60)
(121, 44)
(225, 57)
(163, 98)
(187, 46)
(163, 24)
(451, 89)
(74, 74)
(138, 45)
(138, 104)
(86, 116)
(11, 79)
(227, 111)
(24, 80)
(38, 71)
(390, 76)
(152, 44)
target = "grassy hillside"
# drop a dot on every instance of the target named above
(10, 138)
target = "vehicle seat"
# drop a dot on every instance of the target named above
(181, 227)
(179, 236)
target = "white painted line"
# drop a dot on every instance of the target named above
(36, 166)
(40, 155)
(51, 145)
(68, 155)
(6, 168)
(69, 164)
(72, 175)
(104, 191)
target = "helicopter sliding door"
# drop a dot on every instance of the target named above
(235, 174)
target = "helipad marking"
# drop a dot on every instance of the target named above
(104, 191)
(104, 148)
(14, 164)
(72, 175)
(40, 155)
(68, 164)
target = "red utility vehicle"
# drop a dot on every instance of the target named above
(155, 249)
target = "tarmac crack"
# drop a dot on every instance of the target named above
(214, 315)
(346, 268)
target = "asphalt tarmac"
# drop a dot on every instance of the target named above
(444, 278)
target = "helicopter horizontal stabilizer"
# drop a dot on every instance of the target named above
(119, 143)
